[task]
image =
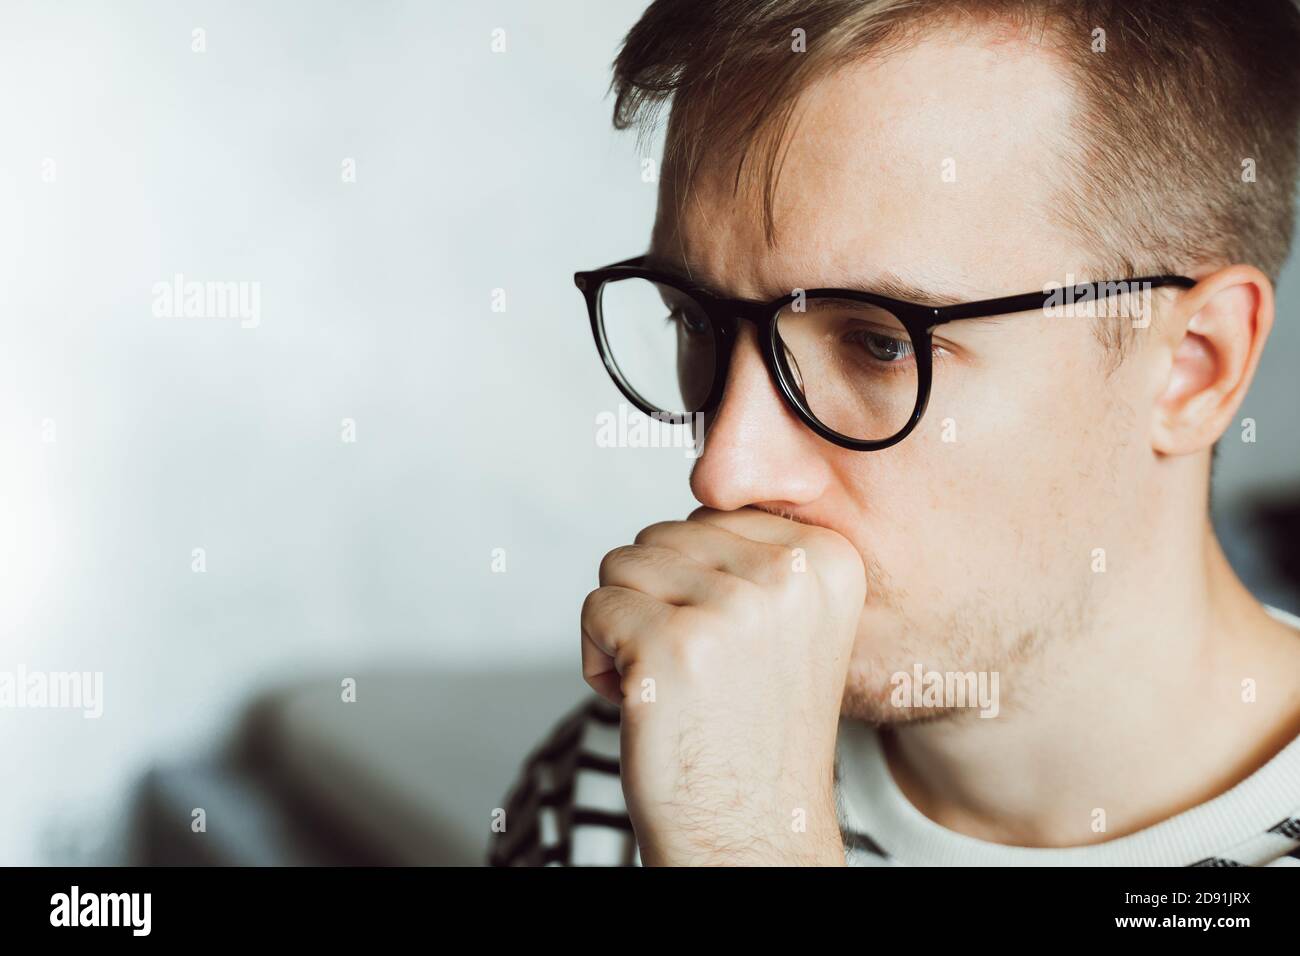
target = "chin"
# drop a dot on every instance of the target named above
(887, 678)
(868, 696)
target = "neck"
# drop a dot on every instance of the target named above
(1146, 714)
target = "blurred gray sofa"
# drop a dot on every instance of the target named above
(409, 773)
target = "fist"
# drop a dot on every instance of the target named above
(726, 638)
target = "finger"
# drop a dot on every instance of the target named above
(754, 524)
(829, 554)
(714, 546)
(599, 672)
(612, 618)
(662, 573)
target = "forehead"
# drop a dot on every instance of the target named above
(940, 165)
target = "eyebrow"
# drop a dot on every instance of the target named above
(886, 284)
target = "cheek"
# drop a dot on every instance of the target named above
(1005, 481)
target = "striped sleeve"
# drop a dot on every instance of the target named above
(566, 808)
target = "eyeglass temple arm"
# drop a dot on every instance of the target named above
(1081, 292)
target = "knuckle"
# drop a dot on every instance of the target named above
(606, 611)
(697, 644)
(772, 568)
(832, 549)
(659, 531)
(591, 605)
(776, 563)
(616, 558)
(836, 563)
(736, 593)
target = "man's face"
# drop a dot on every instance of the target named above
(978, 530)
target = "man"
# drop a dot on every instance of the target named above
(953, 596)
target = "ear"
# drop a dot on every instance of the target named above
(1216, 333)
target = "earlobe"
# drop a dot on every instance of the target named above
(1217, 330)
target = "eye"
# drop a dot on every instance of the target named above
(882, 347)
(692, 320)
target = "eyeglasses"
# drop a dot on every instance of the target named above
(854, 366)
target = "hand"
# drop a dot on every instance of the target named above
(726, 639)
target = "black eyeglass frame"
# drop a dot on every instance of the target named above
(725, 315)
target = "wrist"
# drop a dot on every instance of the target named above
(819, 845)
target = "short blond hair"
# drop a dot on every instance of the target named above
(1188, 97)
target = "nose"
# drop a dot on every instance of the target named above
(756, 451)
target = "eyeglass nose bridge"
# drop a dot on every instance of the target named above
(728, 317)
(728, 314)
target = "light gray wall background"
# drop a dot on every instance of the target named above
(474, 429)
